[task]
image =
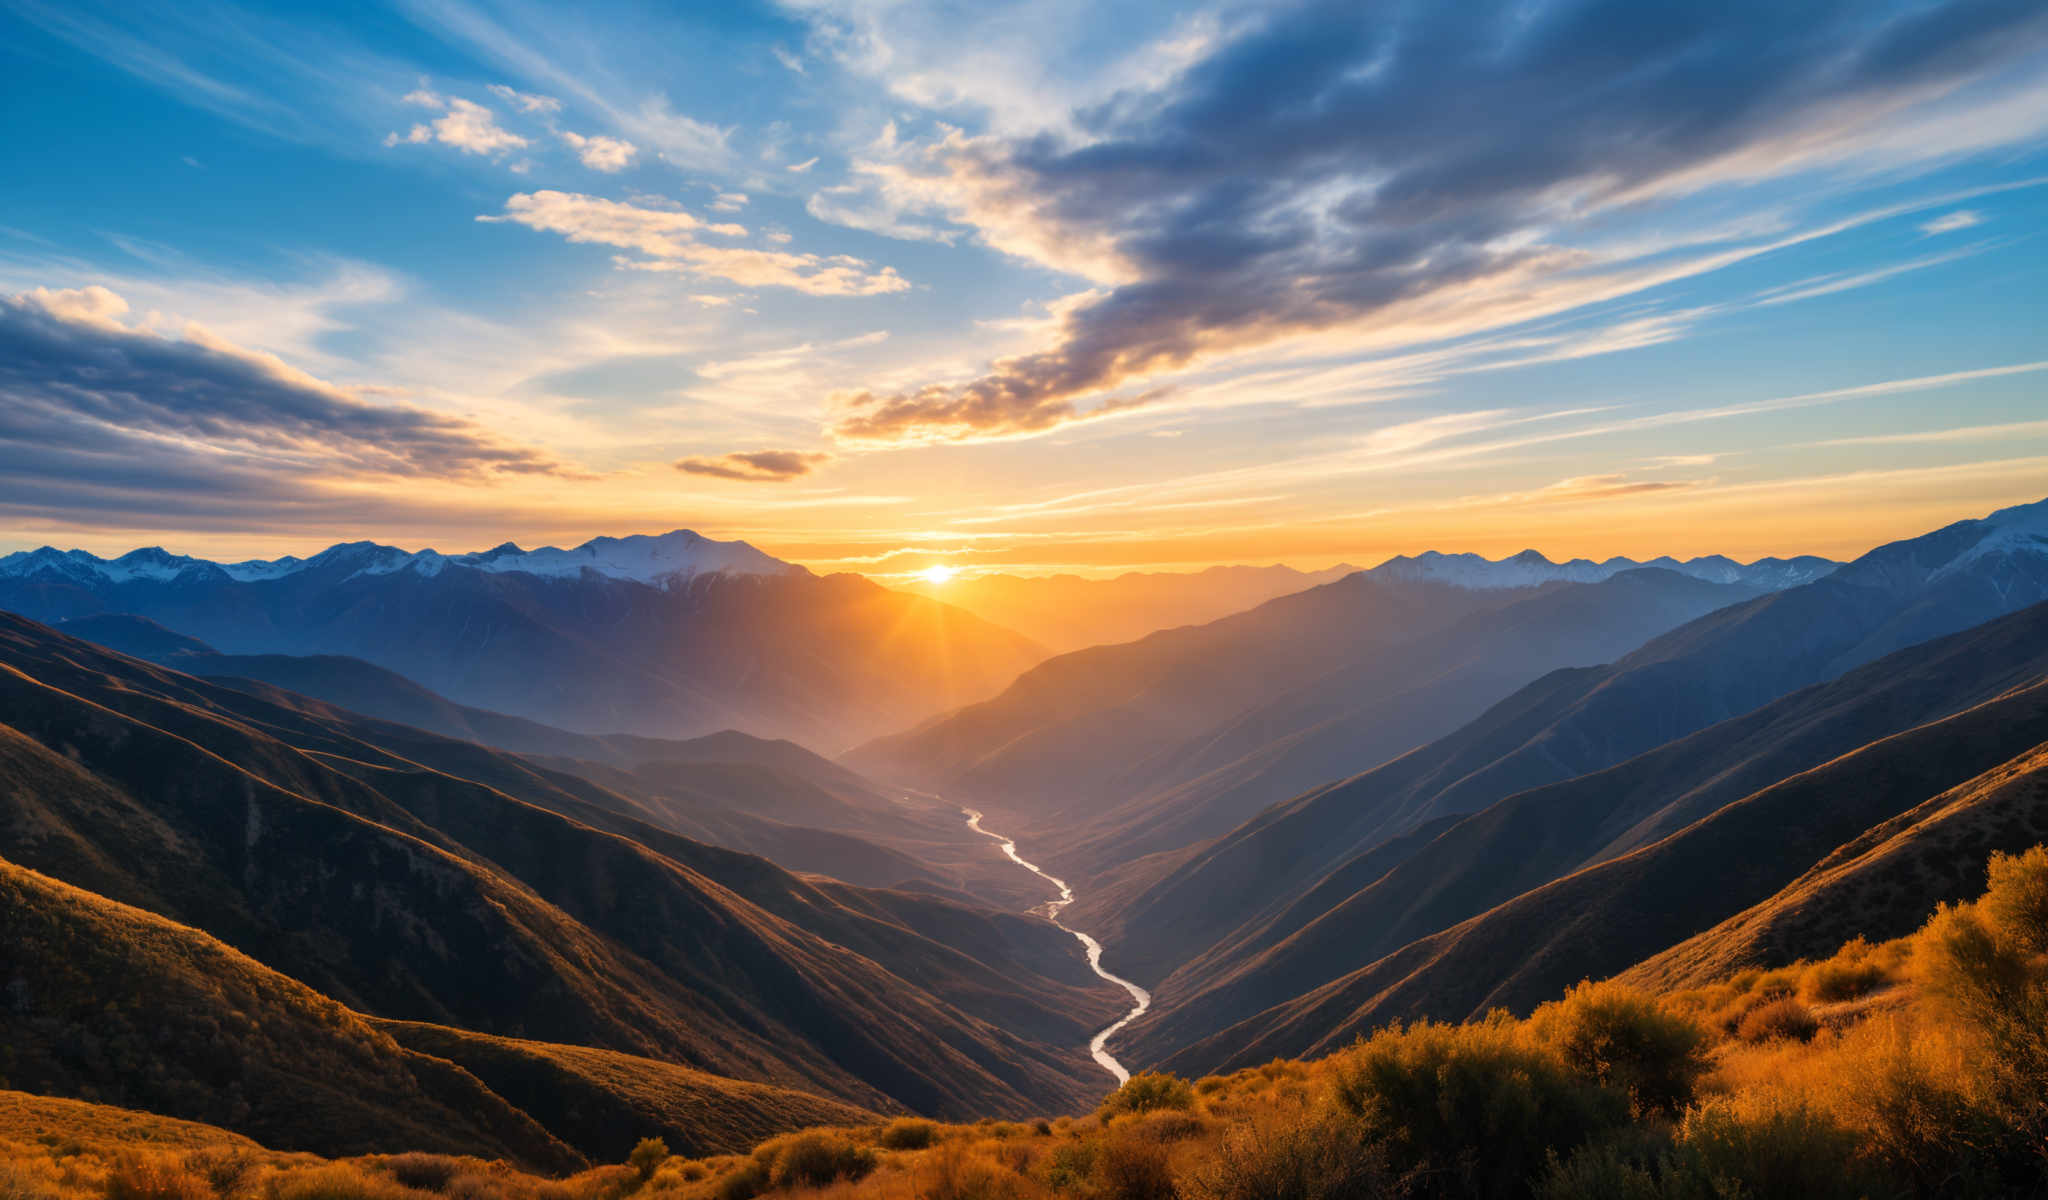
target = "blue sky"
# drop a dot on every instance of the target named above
(877, 285)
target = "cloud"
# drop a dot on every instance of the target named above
(526, 102)
(805, 165)
(1951, 222)
(669, 241)
(85, 396)
(465, 125)
(600, 153)
(756, 466)
(1337, 169)
(729, 202)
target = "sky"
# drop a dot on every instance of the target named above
(1058, 286)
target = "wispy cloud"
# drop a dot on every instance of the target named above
(86, 392)
(756, 466)
(1951, 222)
(670, 240)
(1312, 174)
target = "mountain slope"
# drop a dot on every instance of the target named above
(1065, 613)
(1575, 722)
(603, 1102)
(1603, 919)
(412, 892)
(110, 1003)
(1297, 941)
(1879, 885)
(1114, 753)
(668, 636)
(1374, 708)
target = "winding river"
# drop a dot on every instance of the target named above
(1140, 998)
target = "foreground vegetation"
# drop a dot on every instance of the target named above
(1917, 1067)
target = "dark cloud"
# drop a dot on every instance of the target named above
(76, 386)
(1347, 161)
(756, 466)
(105, 425)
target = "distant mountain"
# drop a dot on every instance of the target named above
(1070, 612)
(664, 636)
(1113, 753)
(418, 878)
(1530, 568)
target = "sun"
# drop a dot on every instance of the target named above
(939, 574)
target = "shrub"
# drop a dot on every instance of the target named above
(1841, 979)
(647, 1154)
(1326, 1157)
(153, 1177)
(1779, 1020)
(814, 1159)
(336, 1181)
(1472, 1109)
(2016, 902)
(1149, 1091)
(744, 1182)
(1621, 1038)
(17, 1184)
(1129, 1168)
(907, 1133)
(1777, 1152)
(1071, 1165)
(954, 1173)
(428, 1171)
(226, 1169)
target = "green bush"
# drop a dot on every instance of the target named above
(1621, 1038)
(647, 1154)
(1470, 1110)
(1149, 1091)
(1779, 1020)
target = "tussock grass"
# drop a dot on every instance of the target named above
(1917, 1067)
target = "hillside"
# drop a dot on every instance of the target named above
(1118, 752)
(112, 1004)
(1065, 613)
(1603, 919)
(1892, 1069)
(1281, 937)
(420, 893)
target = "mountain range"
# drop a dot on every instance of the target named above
(1182, 735)
(425, 880)
(1428, 790)
(669, 636)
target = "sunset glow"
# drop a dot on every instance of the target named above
(826, 278)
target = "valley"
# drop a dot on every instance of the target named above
(1140, 998)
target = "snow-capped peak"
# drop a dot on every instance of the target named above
(1530, 569)
(654, 560)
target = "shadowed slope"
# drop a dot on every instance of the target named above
(412, 892)
(115, 1004)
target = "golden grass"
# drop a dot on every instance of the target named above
(1916, 1067)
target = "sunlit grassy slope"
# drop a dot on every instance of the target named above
(1911, 1067)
